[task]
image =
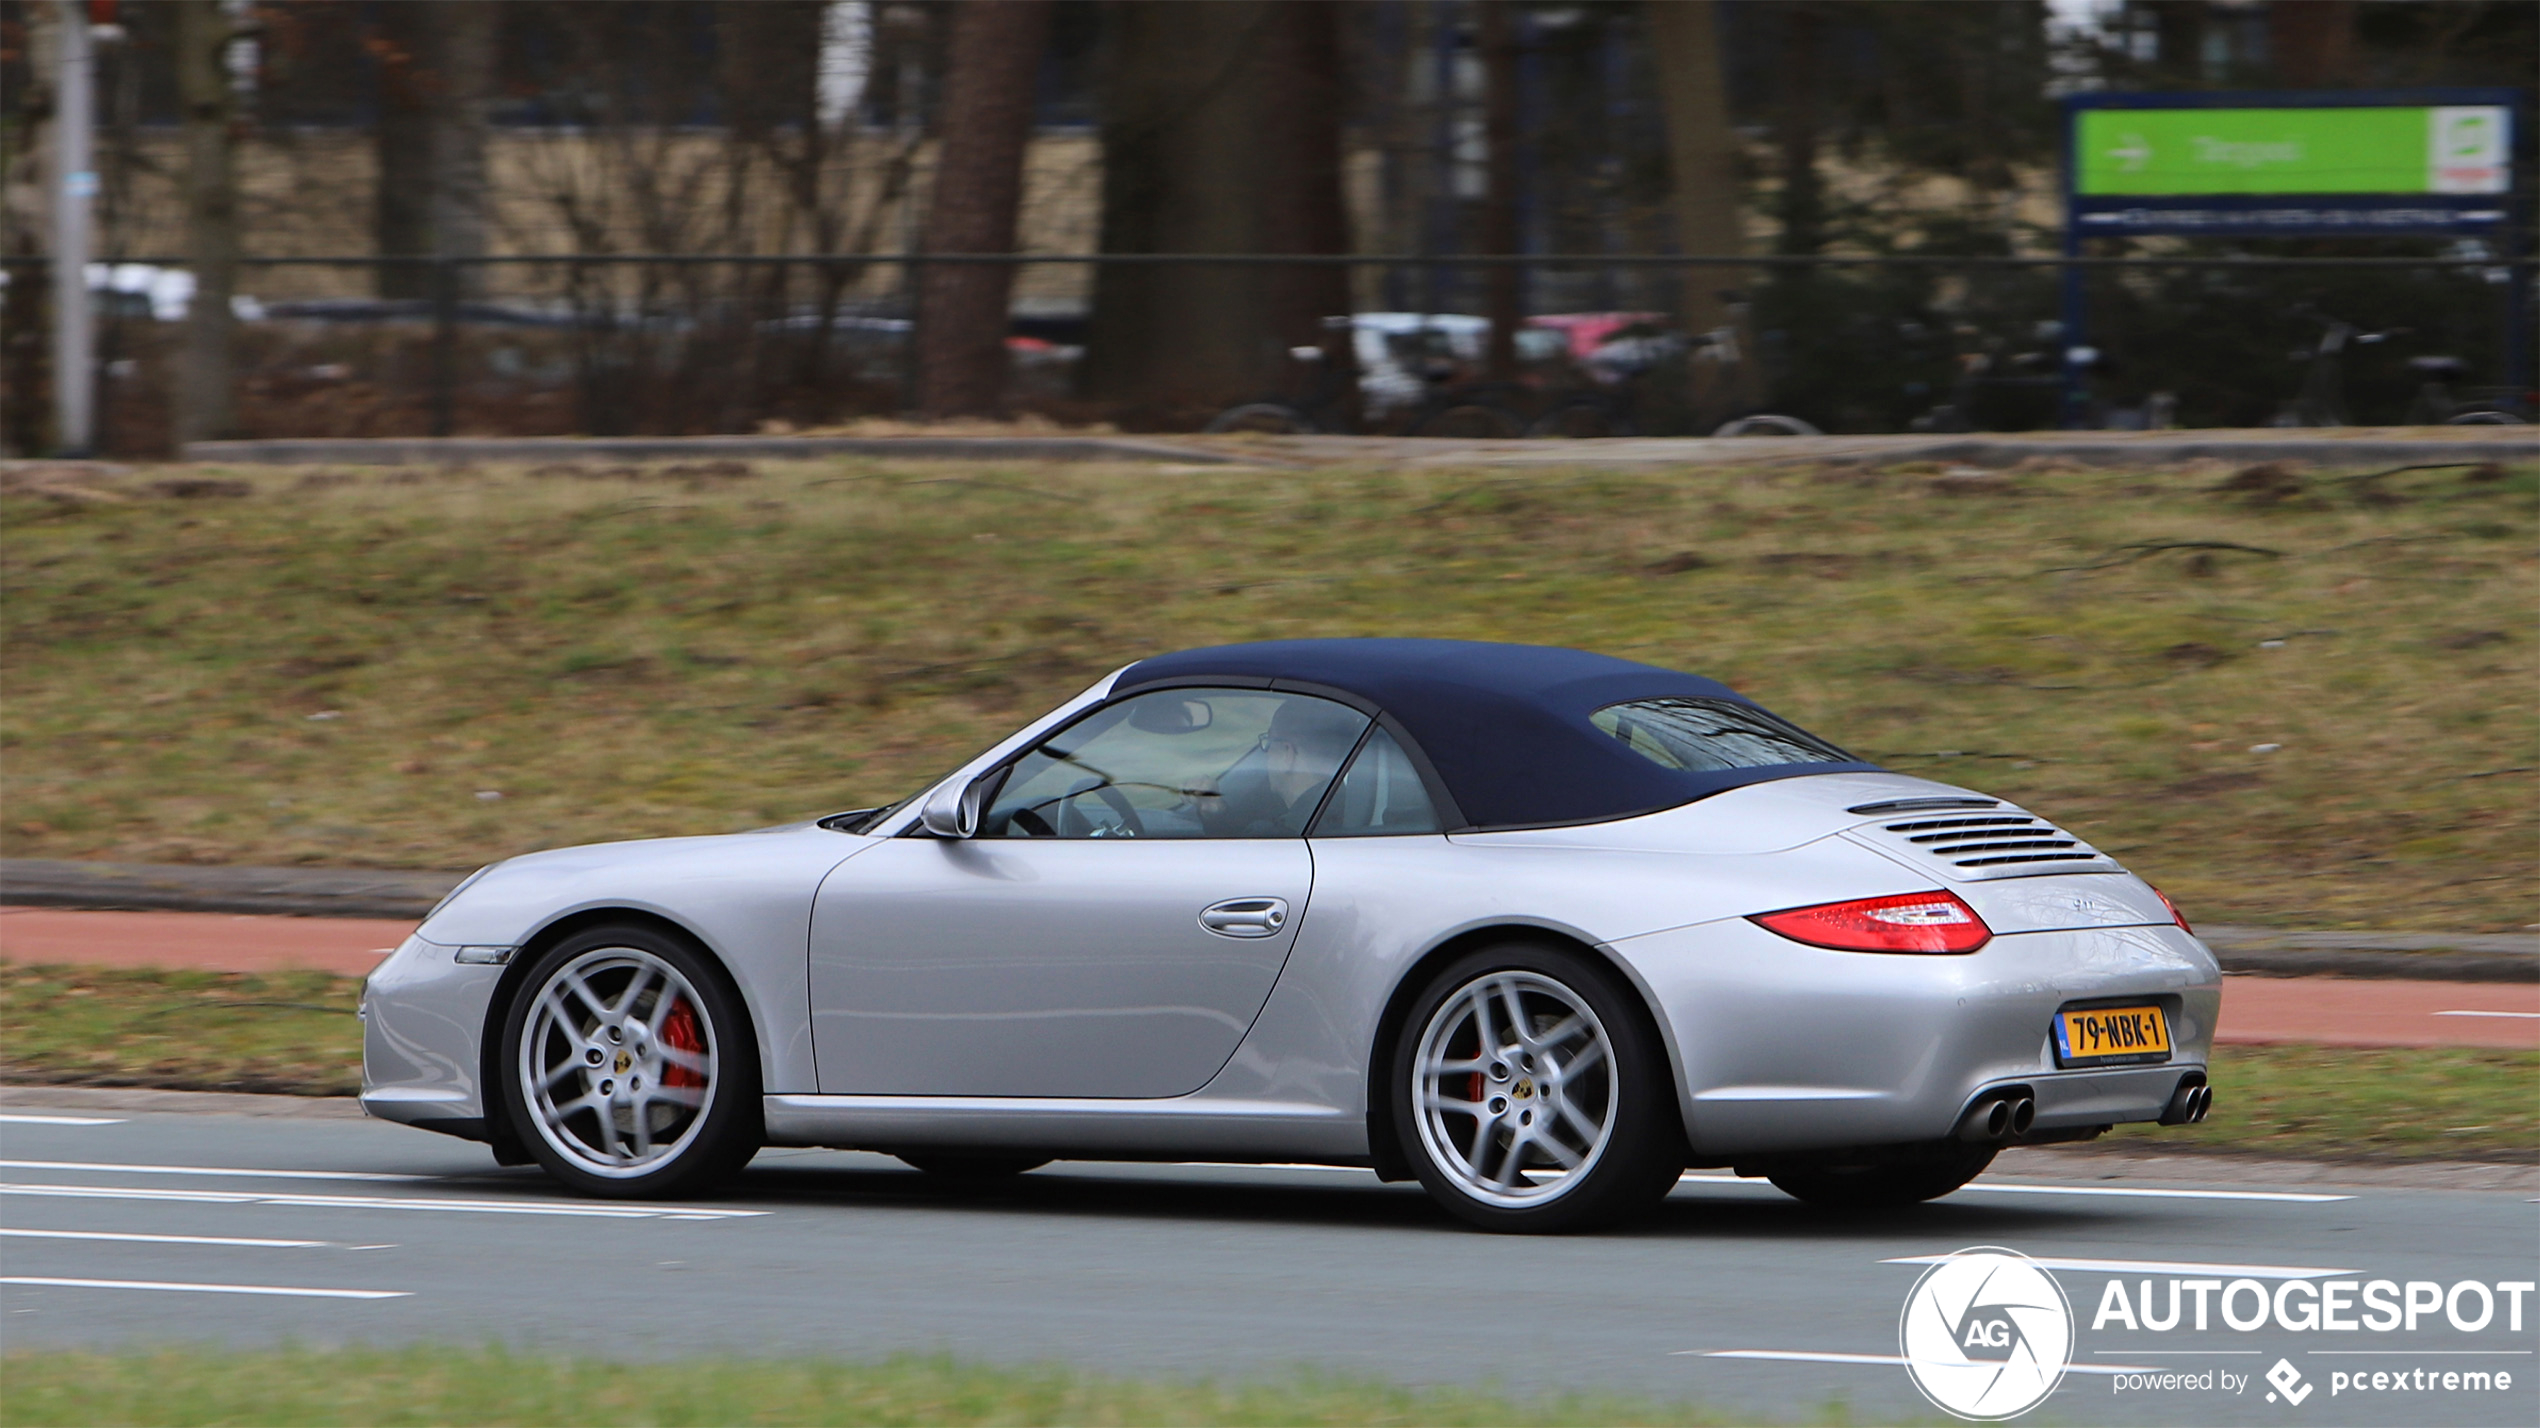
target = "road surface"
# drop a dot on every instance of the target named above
(139, 1228)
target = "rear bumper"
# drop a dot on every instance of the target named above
(1781, 1047)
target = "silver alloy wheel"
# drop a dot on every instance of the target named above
(618, 1062)
(1514, 1088)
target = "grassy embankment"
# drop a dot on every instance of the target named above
(295, 1034)
(419, 669)
(434, 1386)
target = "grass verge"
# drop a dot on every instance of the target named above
(279, 1033)
(2363, 1103)
(433, 1386)
(2295, 701)
(293, 1034)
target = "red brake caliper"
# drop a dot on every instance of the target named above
(680, 1030)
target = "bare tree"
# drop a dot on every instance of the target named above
(987, 122)
(206, 397)
(436, 78)
(26, 226)
(2313, 41)
(1502, 289)
(1219, 133)
(1702, 159)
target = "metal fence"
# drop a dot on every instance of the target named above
(696, 343)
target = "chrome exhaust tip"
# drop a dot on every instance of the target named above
(2023, 1115)
(1999, 1116)
(2189, 1102)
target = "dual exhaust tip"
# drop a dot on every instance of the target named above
(2190, 1103)
(1999, 1116)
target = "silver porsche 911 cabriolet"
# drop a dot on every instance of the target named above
(1539, 927)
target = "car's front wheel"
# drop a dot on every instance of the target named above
(628, 1067)
(1532, 1095)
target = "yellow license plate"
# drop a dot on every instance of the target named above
(2112, 1036)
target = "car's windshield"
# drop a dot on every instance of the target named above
(1702, 734)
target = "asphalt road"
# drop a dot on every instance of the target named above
(140, 1228)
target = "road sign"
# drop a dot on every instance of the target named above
(2360, 162)
(2345, 163)
(2397, 149)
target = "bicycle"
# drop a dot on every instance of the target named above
(1446, 407)
(2435, 404)
(1612, 407)
(2322, 399)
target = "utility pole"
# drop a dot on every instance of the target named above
(75, 177)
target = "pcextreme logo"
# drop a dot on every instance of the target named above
(1986, 1334)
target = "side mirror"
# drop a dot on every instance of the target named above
(954, 812)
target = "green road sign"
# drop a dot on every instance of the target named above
(2390, 149)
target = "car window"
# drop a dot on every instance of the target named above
(1381, 794)
(1701, 734)
(1180, 763)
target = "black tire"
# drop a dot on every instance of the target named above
(1642, 1150)
(971, 1169)
(1769, 424)
(1581, 421)
(1269, 418)
(700, 1019)
(1886, 1182)
(1470, 420)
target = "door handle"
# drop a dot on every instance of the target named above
(1245, 916)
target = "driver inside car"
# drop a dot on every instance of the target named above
(1273, 788)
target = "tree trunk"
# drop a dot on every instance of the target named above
(1702, 163)
(993, 59)
(1305, 213)
(2313, 41)
(436, 76)
(206, 380)
(1803, 204)
(27, 182)
(1183, 128)
(1502, 288)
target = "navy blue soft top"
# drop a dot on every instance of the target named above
(1505, 727)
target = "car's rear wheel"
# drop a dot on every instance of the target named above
(971, 1169)
(1886, 1182)
(628, 1068)
(1531, 1094)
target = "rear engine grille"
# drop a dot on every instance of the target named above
(1995, 844)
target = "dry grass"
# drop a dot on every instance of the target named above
(341, 667)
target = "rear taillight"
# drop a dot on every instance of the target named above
(1913, 922)
(2175, 915)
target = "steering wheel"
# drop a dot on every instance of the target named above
(1074, 824)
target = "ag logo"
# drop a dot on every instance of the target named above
(1986, 1333)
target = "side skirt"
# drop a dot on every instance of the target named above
(1186, 1127)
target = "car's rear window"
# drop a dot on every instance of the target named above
(1699, 734)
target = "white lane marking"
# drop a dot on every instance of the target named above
(176, 1288)
(382, 1202)
(2155, 1266)
(1796, 1356)
(15, 1119)
(2526, 1015)
(159, 1239)
(120, 1168)
(2124, 1191)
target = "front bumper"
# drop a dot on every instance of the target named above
(1782, 1047)
(423, 1013)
